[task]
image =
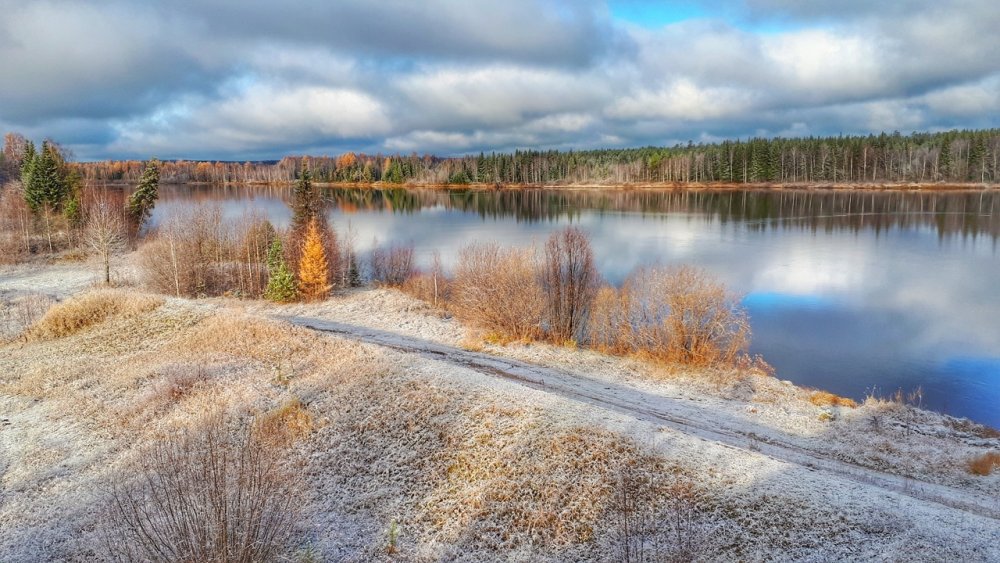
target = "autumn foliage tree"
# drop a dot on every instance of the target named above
(314, 273)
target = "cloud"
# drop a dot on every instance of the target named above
(249, 79)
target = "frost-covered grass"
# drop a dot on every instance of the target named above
(458, 464)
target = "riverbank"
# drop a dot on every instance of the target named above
(674, 186)
(473, 449)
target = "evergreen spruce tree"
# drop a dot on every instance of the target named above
(280, 281)
(305, 201)
(314, 270)
(45, 186)
(944, 160)
(28, 165)
(143, 199)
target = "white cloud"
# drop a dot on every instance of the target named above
(224, 79)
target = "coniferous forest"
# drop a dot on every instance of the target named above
(953, 157)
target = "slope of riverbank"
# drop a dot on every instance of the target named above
(474, 450)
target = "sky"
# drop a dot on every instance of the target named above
(258, 80)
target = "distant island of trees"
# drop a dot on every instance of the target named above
(952, 157)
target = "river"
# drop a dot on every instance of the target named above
(855, 292)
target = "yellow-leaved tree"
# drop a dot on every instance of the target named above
(314, 273)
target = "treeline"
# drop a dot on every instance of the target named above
(959, 156)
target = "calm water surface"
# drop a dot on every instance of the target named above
(850, 292)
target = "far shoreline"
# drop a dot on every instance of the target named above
(651, 186)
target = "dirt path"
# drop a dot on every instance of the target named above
(675, 413)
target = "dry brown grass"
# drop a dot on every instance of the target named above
(285, 424)
(82, 311)
(827, 399)
(431, 285)
(984, 464)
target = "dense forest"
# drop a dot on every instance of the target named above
(948, 157)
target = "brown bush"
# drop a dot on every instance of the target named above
(827, 399)
(21, 312)
(204, 494)
(431, 285)
(82, 311)
(185, 255)
(392, 266)
(984, 464)
(254, 235)
(570, 282)
(497, 288)
(672, 314)
(196, 253)
(15, 226)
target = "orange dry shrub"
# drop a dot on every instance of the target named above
(984, 464)
(677, 315)
(826, 399)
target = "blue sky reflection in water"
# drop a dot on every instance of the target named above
(847, 292)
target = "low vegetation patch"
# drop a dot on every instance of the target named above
(827, 399)
(984, 464)
(95, 307)
(285, 424)
(209, 493)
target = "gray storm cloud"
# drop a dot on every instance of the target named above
(246, 80)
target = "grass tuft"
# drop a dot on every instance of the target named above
(827, 399)
(89, 309)
(984, 464)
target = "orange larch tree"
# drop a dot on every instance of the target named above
(314, 270)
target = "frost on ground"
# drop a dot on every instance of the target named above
(464, 465)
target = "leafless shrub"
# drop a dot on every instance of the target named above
(88, 309)
(183, 256)
(204, 494)
(15, 226)
(431, 285)
(657, 518)
(676, 315)
(633, 516)
(178, 381)
(20, 312)
(248, 267)
(498, 289)
(104, 234)
(570, 282)
(392, 266)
